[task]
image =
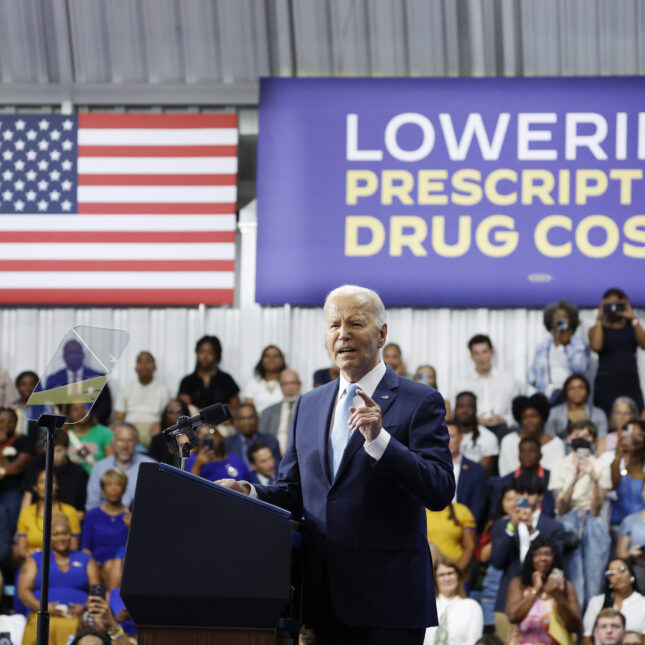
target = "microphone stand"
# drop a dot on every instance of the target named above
(184, 427)
(51, 422)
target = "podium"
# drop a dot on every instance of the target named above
(207, 565)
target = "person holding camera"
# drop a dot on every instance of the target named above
(580, 482)
(541, 603)
(615, 337)
(99, 626)
(559, 355)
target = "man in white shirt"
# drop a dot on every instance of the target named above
(276, 419)
(495, 390)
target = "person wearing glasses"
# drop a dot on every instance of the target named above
(620, 593)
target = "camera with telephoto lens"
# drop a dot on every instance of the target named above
(613, 307)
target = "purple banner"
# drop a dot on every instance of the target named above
(452, 192)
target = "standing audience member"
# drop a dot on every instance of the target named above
(125, 458)
(452, 532)
(89, 441)
(72, 478)
(631, 540)
(208, 384)
(609, 628)
(264, 389)
(576, 407)
(245, 420)
(616, 336)
(276, 419)
(479, 444)
(461, 621)
(622, 411)
(427, 375)
(160, 449)
(532, 414)
(262, 463)
(392, 356)
(494, 389)
(628, 471)
(621, 594)
(470, 478)
(580, 483)
(212, 461)
(142, 401)
(542, 604)
(8, 393)
(559, 355)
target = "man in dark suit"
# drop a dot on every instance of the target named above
(276, 419)
(368, 453)
(470, 477)
(245, 420)
(511, 539)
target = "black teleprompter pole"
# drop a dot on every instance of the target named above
(51, 422)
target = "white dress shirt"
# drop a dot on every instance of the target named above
(495, 392)
(465, 621)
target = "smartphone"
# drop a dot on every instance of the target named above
(613, 307)
(98, 590)
(208, 443)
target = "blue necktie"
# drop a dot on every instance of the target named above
(340, 430)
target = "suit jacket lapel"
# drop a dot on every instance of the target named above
(384, 395)
(324, 413)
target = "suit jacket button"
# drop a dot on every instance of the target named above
(331, 496)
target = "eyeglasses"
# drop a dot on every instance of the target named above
(612, 572)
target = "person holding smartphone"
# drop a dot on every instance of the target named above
(616, 336)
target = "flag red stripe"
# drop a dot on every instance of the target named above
(75, 237)
(140, 297)
(117, 265)
(99, 208)
(157, 151)
(157, 180)
(130, 120)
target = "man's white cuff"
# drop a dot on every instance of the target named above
(376, 448)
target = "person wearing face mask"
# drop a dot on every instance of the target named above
(580, 483)
(620, 593)
(616, 336)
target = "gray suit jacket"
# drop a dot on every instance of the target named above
(270, 420)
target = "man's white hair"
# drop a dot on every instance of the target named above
(364, 296)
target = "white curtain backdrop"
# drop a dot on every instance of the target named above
(29, 336)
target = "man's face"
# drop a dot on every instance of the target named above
(73, 355)
(455, 440)
(482, 355)
(609, 630)
(530, 455)
(246, 421)
(352, 336)
(125, 444)
(264, 463)
(580, 433)
(465, 409)
(145, 367)
(289, 383)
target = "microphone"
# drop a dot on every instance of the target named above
(212, 414)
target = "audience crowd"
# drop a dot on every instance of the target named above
(544, 541)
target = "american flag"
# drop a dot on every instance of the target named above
(135, 209)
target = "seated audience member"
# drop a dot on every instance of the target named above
(470, 478)
(490, 586)
(542, 604)
(622, 411)
(160, 450)
(427, 375)
(276, 419)
(479, 444)
(208, 384)
(264, 389)
(213, 461)
(100, 624)
(559, 355)
(89, 441)
(393, 357)
(29, 536)
(627, 471)
(262, 462)
(630, 543)
(26, 383)
(125, 458)
(494, 389)
(70, 577)
(453, 532)
(609, 628)
(72, 478)
(16, 455)
(576, 407)
(530, 455)
(511, 539)
(8, 393)
(621, 594)
(245, 421)
(461, 621)
(616, 336)
(105, 528)
(532, 414)
(580, 483)
(325, 375)
(143, 400)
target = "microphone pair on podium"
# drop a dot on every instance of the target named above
(183, 434)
